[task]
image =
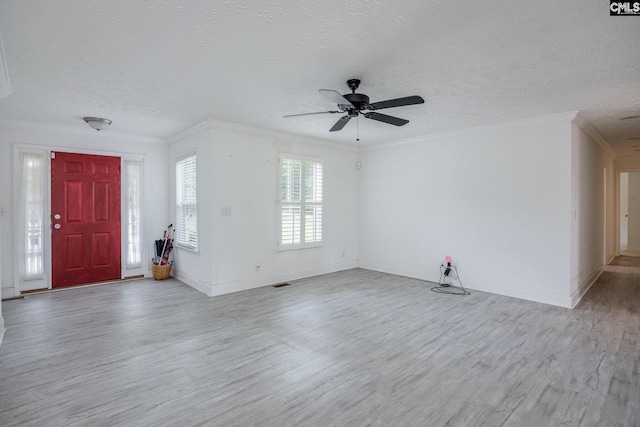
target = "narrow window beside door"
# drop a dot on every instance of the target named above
(133, 175)
(32, 207)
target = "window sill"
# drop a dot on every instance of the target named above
(187, 249)
(285, 248)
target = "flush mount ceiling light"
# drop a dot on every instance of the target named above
(97, 123)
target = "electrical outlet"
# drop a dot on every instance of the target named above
(225, 211)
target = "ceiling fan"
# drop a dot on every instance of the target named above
(355, 104)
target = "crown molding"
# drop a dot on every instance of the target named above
(461, 132)
(212, 124)
(255, 131)
(45, 127)
(585, 126)
(190, 131)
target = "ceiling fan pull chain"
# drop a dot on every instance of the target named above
(358, 128)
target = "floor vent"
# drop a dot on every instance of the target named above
(281, 285)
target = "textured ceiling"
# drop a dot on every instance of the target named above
(157, 67)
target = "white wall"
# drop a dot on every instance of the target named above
(627, 163)
(156, 180)
(497, 199)
(590, 162)
(633, 237)
(237, 168)
(197, 269)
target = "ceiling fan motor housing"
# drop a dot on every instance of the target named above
(360, 101)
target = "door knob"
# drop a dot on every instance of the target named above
(57, 226)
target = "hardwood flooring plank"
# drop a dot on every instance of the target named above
(354, 348)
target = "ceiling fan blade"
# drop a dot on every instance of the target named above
(398, 102)
(342, 121)
(386, 119)
(308, 114)
(335, 97)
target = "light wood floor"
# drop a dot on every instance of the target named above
(354, 348)
(626, 261)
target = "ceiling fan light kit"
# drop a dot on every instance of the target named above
(356, 104)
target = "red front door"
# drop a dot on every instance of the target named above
(85, 218)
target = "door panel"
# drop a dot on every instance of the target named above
(85, 241)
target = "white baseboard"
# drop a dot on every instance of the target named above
(525, 294)
(9, 293)
(529, 295)
(257, 282)
(196, 284)
(582, 290)
(243, 285)
(414, 274)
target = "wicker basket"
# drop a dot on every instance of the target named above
(161, 272)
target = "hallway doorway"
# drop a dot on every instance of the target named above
(629, 218)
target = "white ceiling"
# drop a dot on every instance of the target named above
(158, 67)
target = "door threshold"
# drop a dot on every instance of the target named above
(84, 285)
(33, 291)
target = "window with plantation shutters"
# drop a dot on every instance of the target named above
(300, 209)
(186, 203)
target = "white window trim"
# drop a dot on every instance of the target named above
(175, 204)
(297, 246)
(125, 207)
(22, 283)
(124, 179)
(18, 230)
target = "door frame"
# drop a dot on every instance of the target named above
(46, 150)
(617, 206)
(605, 217)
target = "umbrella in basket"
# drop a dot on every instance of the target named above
(163, 248)
(158, 257)
(167, 251)
(161, 265)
